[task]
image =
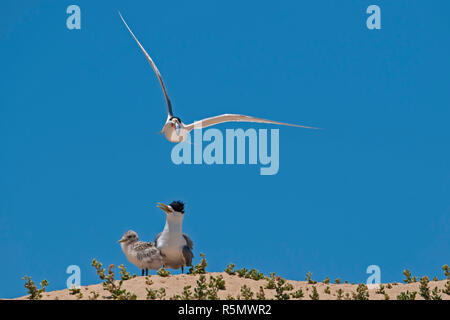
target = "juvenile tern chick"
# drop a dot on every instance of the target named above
(144, 255)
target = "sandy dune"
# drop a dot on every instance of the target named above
(174, 285)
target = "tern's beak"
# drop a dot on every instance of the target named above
(163, 207)
(121, 240)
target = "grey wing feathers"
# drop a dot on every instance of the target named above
(187, 250)
(189, 242)
(155, 69)
(188, 255)
(147, 251)
(144, 245)
(153, 253)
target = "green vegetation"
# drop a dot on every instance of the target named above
(246, 292)
(163, 272)
(407, 295)
(424, 291)
(230, 269)
(435, 294)
(339, 294)
(297, 294)
(309, 278)
(380, 289)
(199, 268)
(124, 274)
(33, 291)
(74, 291)
(208, 289)
(110, 284)
(271, 281)
(362, 292)
(261, 295)
(315, 294)
(281, 287)
(446, 270)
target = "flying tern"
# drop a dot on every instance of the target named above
(175, 130)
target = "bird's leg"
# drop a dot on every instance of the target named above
(142, 272)
(182, 269)
(146, 271)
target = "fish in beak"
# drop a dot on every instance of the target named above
(164, 208)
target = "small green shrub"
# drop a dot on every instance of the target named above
(199, 268)
(424, 291)
(281, 287)
(298, 294)
(124, 274)
(362, 292)
(309, 278)
(187, 293)
(74, 291)
(163, 272)
(33, 291)
(271, 281)
(435, 294)
(407, 295)
(201, 290)
(339, 294)
(110, 284)
(315, 294)
(246, 292)
(380, 289)
(261, 295)
(230, 269)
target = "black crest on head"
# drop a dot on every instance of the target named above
(178, 206)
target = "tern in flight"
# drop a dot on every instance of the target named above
(175, 130)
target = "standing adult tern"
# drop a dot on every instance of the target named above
(174, 245)
(175, 130)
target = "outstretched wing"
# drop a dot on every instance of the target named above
(235, 118)
(166, 96)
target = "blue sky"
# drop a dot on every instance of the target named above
(81, 161)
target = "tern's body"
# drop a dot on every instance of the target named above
(175, 130)
(144, 255)
(175, 246)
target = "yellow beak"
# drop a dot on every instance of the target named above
(121, 240)
(163, 207)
